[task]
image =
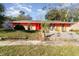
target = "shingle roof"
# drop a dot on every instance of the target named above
(39, 21)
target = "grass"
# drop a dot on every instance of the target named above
(21, 34)
(41, 50)
(34, 50)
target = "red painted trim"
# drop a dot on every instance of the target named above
(37, 25)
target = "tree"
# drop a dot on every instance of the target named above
(53, 15)
(22, 12)
(28, 17)
(64, 14)
(2, 18)
(57, 14)
(1, 8)
(22, 16)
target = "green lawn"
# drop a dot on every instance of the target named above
(20, 34)
(31, 50)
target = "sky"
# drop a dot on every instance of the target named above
(36, 10)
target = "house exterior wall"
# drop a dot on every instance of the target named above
(57, 26)
(60, 27)
(29, 26)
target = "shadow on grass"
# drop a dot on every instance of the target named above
(12, 30)
(30, 31)
(9, 30)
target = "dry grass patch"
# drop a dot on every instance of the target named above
(41, 50)
(21, 34)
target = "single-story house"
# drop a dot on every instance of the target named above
(36, 25)
(28, 25)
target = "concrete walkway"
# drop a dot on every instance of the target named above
(30, 42)
(67, 35)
